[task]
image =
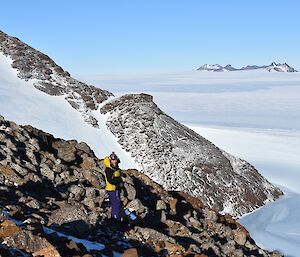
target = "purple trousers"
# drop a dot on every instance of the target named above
(115, 200)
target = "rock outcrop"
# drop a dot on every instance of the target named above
(49, 185)
(180, 159)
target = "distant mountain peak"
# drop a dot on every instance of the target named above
(278, 67)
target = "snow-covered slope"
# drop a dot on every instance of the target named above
(40, 93)
(23, 103)
(277, 67)
(276, 154)
(277, 225)
(51, 78)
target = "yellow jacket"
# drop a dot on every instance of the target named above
(112, 175)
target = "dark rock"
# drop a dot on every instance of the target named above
(67, 213)
(85, 148)
(73, 219)
(94, 177)
(65, 150)
(27, 241)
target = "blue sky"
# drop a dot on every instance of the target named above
(131, 37)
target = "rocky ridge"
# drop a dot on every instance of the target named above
(49, 185)
(51, 78)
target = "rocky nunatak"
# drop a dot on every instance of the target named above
(49, 184)
(179, 159)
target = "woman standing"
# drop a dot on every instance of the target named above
(113, 181)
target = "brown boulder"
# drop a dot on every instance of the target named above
(88, 163)
(65, 150)
(73, 218)
(73, 246)
(194, 201)
(174, 248)
(49, 251)
(240, 237)
(8, 228)
(6, 170)
(132, 252)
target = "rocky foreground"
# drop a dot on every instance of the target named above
(48, 185)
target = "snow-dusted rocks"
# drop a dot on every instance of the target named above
(273, 67)
(213, 67)
(181, 160)
(280, 67)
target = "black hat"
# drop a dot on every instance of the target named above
(113, 156)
